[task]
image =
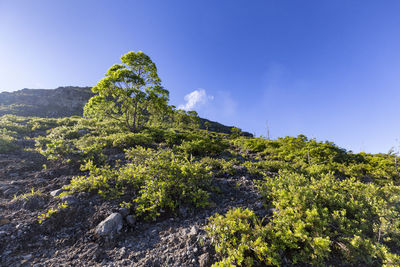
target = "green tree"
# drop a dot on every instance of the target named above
(130, 92)
(187, 119)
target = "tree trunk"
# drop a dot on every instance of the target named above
(133, 129)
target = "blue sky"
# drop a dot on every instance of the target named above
(326, 69)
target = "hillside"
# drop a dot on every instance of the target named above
(64, 102)
(76, 191)
(53, 103)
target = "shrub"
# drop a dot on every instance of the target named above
(127, 140)
(202, 147)
(50, 212)
(240, 237)
(220, 166)
(7, 141)
(315, 221)
(156, 181)
(14, 124)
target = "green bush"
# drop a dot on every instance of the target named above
(314, 221)
(156, 181)
(127, 140)
(240, 239)
(7, 141)
(317, 218)
(221, 167)
(203, 147)
(14, 124)
(263, 166)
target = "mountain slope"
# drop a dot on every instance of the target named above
(64, 102)
(53, 103)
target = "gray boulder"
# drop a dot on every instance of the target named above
(110, 226)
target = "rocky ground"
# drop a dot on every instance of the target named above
(83, 234)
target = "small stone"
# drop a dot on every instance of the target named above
(204, 260)
(130, 219)
(259, 205)
(4, 221)
(82, 132)
(57, 192)
(10, 191)
(193, 231)
(27, 256)
(33, 203)
(110, 226)
(183, 211)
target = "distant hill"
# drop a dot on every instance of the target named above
(53, 103)
(64, 102)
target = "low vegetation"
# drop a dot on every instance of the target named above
(324, 205)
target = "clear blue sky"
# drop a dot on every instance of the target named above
(326, 69)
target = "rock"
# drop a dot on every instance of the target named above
(193, 231)
(259, 205)
(130, 219)
(3, 234)
(110, 226)
(82, 132)
(240, 169)
(27, 256)
(10, 191)
(6, 228)
(272, 211)
(124, 212)
(4, 221)
(57, 192)
(261, 213)
(183, 211)
(204, 260)
(33, 203)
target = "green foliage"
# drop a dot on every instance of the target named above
(329, 205)
(265, 166)
(50, 212)
(186, 119)
(7, 141)
(129, 92)
(131, 139)
(314, 221)
(220, 166)
(240, 237)
(235, 132)
(315, 158)
(29, 195)
(156, 181)
(203, 146)
(14, 124)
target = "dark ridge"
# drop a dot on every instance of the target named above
(52, 103)
(219, 128)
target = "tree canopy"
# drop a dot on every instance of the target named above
(130, 92)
